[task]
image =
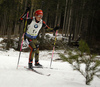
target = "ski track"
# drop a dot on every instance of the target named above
(62, 74)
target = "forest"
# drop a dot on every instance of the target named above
(78, 19)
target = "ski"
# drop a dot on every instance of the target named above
(37, 72)
(42, 67)
(37, 66)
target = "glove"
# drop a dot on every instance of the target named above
(20, 20)
(24, 15)
(27, 9)
(56, 28)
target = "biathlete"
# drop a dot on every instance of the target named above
(34, 25)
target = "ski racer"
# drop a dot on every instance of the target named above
(34, 24)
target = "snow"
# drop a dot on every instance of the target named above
(62, 74)
(59, 36)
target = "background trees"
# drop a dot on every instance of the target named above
(76, 18)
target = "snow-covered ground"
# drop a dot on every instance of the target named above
(62, 74)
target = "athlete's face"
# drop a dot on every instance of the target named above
(39, 17)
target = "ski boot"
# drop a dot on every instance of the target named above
(38, 65)
(30, 66)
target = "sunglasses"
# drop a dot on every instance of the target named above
(39, 16)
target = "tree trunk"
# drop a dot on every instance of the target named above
(56, 14)
(67, 20)
(64, 22)
(69, 23)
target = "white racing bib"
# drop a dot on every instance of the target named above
(34, 28)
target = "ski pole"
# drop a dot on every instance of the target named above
(22, 39)
(53, 48)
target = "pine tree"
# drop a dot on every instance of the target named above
(83, 56)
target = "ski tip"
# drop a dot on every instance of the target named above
(48, 74)
(51, 68)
